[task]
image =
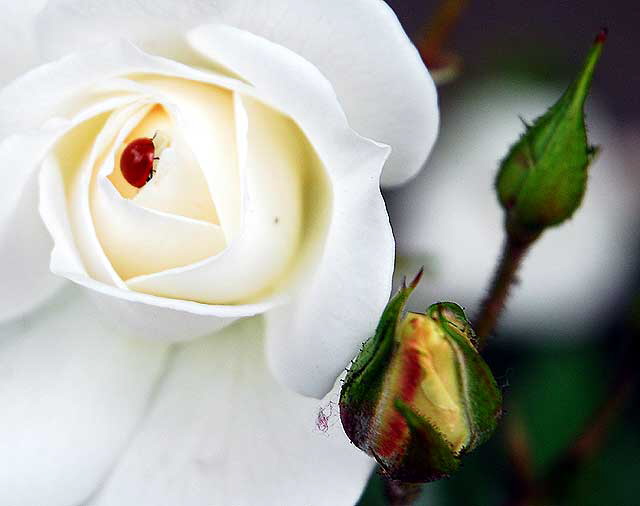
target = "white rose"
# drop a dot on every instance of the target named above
(264, 206)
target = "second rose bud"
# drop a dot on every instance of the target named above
(419, 396)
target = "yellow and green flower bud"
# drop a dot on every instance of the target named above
(543, 178)
(419, 395)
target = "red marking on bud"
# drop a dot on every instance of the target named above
(602, 36)
(394, 436)
(136, 161)
(411, 374)
(395, 431)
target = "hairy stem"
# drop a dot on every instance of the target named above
(513, 254)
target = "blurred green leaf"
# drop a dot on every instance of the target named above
(556, 393)
(611, 478)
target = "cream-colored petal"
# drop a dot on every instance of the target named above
(76, 158)
(141, 241)
(54, 178)
(208, 128)
(179, 186)
(277, 161)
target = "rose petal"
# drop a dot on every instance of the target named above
(179, 187)
(312, 340)
(18, 48)
(24, 242)
(358, 45)
(223, 431)
(346, 289)
(72, 162)
(71, 395)
(137, 244)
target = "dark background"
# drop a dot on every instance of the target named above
(553, 33)
(552, 389)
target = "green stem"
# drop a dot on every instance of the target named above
(513, 254)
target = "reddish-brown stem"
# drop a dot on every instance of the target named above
(513, 254)
(519, 454)
(437, 32)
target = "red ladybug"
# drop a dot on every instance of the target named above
(136, 161)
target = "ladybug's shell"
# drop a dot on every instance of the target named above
(136, 161)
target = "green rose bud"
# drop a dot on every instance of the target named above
(542, 180)
(419, 395)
